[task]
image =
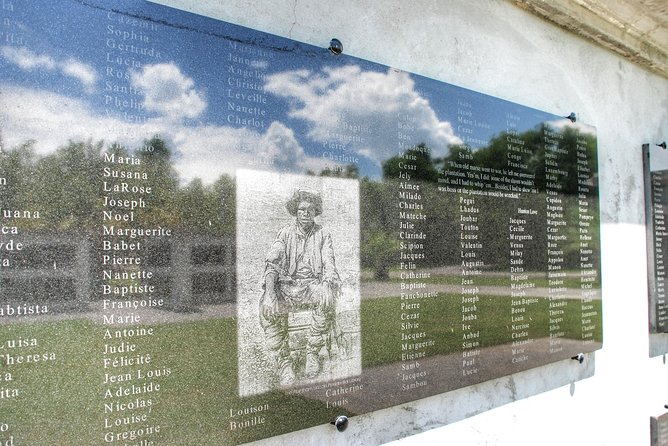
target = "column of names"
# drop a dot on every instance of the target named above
(129, 48)
(557, 239)
(132, 376)
(520, 237)
(17, 352)
(11, 30)
(659, 249)
(470, 254)
(415, 293)
(588, 273)
(246, 101)
(471, 247)
(521, 305)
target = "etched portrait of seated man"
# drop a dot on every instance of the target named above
(300, 276)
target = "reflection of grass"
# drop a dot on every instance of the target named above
(62, 402)
(496, 280)
(441, 319)
(54, 396)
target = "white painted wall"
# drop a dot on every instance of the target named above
(496, 48)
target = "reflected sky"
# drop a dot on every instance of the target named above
(223, 96)
(658, 158)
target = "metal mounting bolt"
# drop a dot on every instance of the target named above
(335, 46)
(341, 423)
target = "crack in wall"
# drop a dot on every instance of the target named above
(294, 16)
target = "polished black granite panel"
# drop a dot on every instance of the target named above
(655, 161)
(212, 235)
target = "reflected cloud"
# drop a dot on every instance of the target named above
(561, 124)
(168, 92)
(84, 73)
(207, 151)
(281, 146)
(27, 60)
(202, 151)
(51, 120)
(361, 109)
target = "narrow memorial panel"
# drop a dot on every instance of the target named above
(659, 430)
(655, 163)
(212, 235)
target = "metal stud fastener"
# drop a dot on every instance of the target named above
(335, 46)
(341, 423)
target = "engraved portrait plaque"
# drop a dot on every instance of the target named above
(213, 235)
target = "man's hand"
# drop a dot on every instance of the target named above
(269, 305)
(329, 291)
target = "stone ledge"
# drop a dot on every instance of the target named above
(593, 22)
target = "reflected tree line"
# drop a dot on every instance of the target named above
(66, 187)
(380, 213)
(64, 193)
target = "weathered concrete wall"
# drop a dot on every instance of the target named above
(498, 49)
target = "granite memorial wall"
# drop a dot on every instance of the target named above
(212, 235)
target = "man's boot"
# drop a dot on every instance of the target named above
(312, 367)
(286, 374)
